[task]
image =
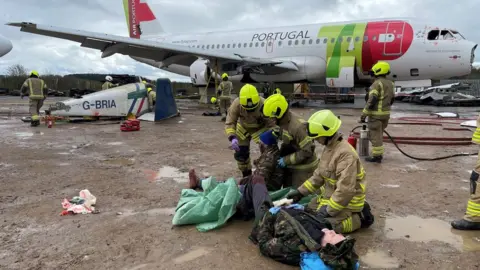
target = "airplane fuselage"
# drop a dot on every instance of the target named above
(415, 51)
(5, 46)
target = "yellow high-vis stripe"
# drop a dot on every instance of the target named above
(304, 142)
(310, 186)
(347, 225)
(473, 209)
(335, 205)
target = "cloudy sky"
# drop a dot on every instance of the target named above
(107, 16)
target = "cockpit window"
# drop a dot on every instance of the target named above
(443, 35)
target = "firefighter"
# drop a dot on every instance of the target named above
(339, 177)
(245, 122)
(224, 94)
(108, 83)
(297, 150)
(37, 93)
(152, 97)
(471, 220)
(380, 99)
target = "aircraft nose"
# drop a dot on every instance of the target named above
(5, 46)
(472, 55)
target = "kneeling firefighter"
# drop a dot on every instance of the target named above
(340, 177)
(245, 122)
(37, 93)
(298, 150)
(152, 98)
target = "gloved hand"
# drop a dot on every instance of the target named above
(281, 163)
(234, 144)
(295, 195)
(362, 119)
(323, 212)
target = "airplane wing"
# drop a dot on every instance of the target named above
(159, 51)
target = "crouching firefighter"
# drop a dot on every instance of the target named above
(380, 99)
(471, 219)
(340, 177)
(224, 93)
(298, 150)
(152, 99)
(38, 91)
(245, 122)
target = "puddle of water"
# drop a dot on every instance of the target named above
(23, 134)
(180, 122)
(416, 229)
(390, 186)
(63, 153)
(379, 259)
(115, 143)
(121, 161)
(172, 173)
(192, 255)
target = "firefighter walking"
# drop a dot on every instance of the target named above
(339, 177)
(298, 150)
(471, 219)
(224, 94)
(37, 93)
(380, 99)
(245, 122)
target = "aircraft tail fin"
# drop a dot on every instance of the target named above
(141, 20)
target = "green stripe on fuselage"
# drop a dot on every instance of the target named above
(340, 47)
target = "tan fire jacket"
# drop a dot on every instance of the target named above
(341, 174)
(383, 91)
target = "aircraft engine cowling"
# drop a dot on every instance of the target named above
(200, 73)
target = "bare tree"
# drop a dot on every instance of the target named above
(16, 70)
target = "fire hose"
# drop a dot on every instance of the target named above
(417, 141)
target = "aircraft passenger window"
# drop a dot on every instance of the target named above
(433, 35)
(244, 45)
(340, 39)
(289, 43)
(263, 44)
(303, 42)
(218, 46)
(208, 46)
(223, 46)
(251, 44)
(270, 44)
(213, 46)
(349, 39)
(280, 43)
(296, 42)
(357, 39)
(310, 41)
(414, 72)
(228, 45)
(325, 40)
(239, 45)
(332, 40)
(256, 44)
(318, 41)
(365, 38)
(233, 46)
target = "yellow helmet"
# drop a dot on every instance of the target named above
(275, 106)
(35, 73)
(249, 98)
(381, 68)
(224, 75)
(323, 124)
(149, 89)
(145, 82)
(213, 100)
(277, 91)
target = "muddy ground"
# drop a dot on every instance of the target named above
(137, 178)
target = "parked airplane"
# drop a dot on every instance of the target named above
(338, 54)
(5, 46)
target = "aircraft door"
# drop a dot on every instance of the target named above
(393, 38)
(270, 44)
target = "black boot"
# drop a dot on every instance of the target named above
(377, 159)
(246, 173)
(366, 216)
(463, 224)
(35, 123)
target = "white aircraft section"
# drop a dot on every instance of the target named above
(118, 101)
(5, 46)
(149, 117)
(446, 114)
(470, 123)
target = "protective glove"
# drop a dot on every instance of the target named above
(295, 195)
(281, 163)
(362, 119)
(323, 212)
(234, 144)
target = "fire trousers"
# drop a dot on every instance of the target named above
(244, 137)
(375, 134)
(473, 205)
(34, 108)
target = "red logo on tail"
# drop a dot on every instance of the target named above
(138, 12)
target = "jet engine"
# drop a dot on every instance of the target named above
(201, 73)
